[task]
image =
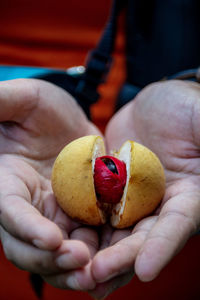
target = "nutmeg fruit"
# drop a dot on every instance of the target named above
(109, 179)
(93, 188)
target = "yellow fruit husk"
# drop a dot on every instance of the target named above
(72, 180)
(145, 185)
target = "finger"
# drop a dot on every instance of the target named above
(105, 236)
(16, 99)
(120, 257)
(25, 222)
(80, 280)
(179, 218)
(118, 235)
(102, 290)
(109, 236)
(88, 236)
(20, 97)
(71, 255)
(115, 260)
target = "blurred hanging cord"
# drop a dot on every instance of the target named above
(37, 284)
(100, 59)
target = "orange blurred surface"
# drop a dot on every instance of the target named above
(59, 34)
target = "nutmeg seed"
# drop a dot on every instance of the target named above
(109, 179)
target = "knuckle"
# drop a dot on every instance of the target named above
(187, 221)
(31, 90)
(56, 281)
(169, 85)
(41, 266)
(7, 249)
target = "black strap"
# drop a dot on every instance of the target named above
(100, 59)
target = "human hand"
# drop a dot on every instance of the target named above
(166, 118)
(36, 120)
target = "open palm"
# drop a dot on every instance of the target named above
(36, 120)
(166, 118)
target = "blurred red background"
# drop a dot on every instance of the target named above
(179, 280)
(59, 34)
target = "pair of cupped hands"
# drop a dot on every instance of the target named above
(37, 120)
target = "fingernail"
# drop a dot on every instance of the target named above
(72, 282)
(39, 244)
(110, 276)
(67, 261)
(99, 296)
(145, 269)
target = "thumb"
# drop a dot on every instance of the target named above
(17, 98)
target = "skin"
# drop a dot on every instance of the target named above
(37, 120)
(166, 118)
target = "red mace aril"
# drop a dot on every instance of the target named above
(109, 179)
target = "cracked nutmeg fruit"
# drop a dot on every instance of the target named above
(93, 188)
